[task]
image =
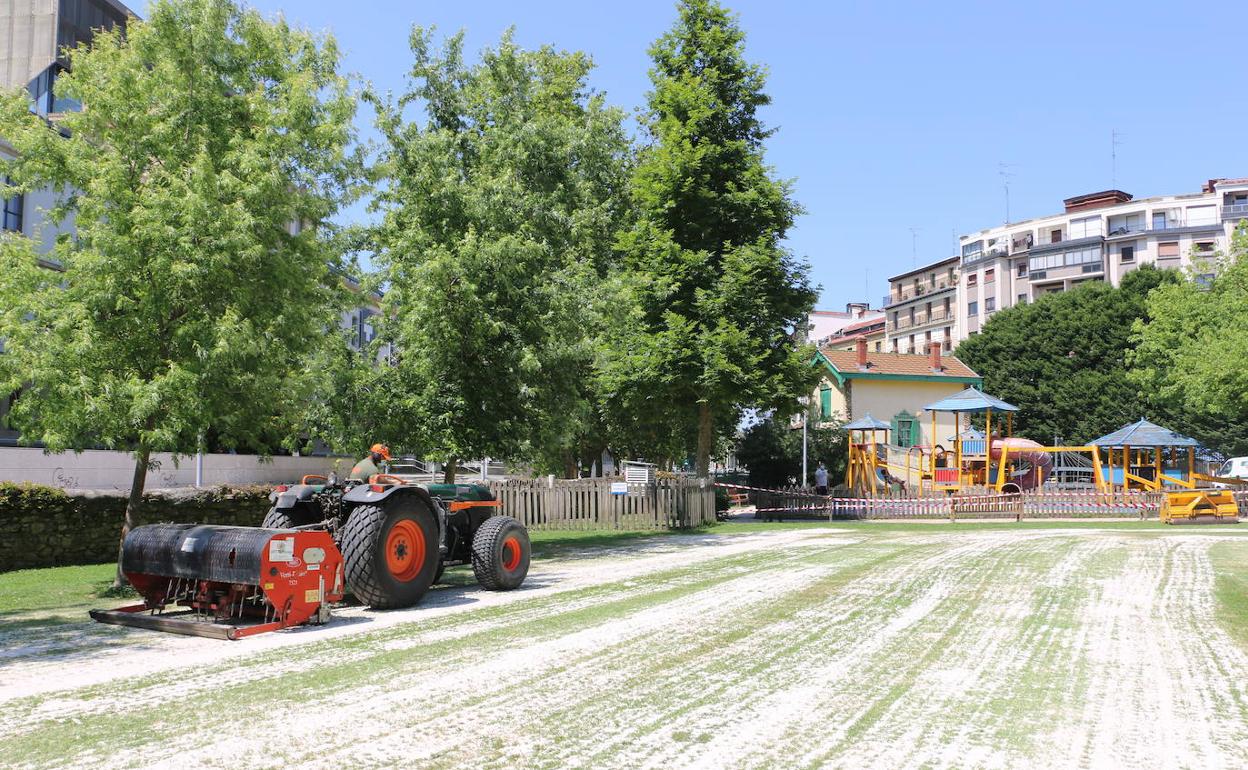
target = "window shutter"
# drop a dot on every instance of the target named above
(825, 402)
(916, 433)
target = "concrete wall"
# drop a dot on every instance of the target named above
(95, 469)
(28, 28)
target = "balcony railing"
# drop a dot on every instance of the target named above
(909, 294)
(937, 315)
(1235, 211)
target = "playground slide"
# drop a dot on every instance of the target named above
(1041, 463)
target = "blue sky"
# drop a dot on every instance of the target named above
(898, 116)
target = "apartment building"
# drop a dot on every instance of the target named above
(821, 324)
(921, 308)
(871, 329)
(1098, 237)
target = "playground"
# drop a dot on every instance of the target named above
(867, 644)
(971, 454)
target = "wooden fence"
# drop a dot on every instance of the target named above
(589, 504)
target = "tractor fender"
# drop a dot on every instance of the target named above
(296, 493)
(364, 494)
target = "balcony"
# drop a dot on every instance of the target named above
(922, 319)
(1234, 211)
(913, 293)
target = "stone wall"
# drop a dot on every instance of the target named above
(49, 527)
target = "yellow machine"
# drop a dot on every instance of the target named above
(1200, 506)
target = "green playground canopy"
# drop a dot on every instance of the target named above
(1144, 434)
(971, 400)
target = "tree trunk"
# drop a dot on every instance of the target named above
(132, 507)
(570, 468)
(449, 470)
(706, 440)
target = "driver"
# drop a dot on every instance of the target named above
(368, 467)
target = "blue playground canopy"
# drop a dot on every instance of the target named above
(971, 400)
(867, 422)
(1144, 434)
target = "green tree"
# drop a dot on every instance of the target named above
(718, 295)
(1063, 358)
(771, 451)
(184, 305)
(1191, 348)
(500, 208)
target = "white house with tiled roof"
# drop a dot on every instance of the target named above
(893, 387)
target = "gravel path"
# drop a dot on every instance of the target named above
(794, 648)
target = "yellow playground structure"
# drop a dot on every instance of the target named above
(1141, 456)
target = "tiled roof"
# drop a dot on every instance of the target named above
(846, 362)
(860, 325)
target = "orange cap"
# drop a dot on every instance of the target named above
(382, 450)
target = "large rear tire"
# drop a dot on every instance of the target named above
(500, 553)
(391, 552)
(276, 519)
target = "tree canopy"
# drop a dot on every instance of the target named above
(717, 296)
(772, 451)
(1063, 358)
(186, 303)
(500, 203)
(1191, 347)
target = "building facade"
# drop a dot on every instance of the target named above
(921, 308)
(1098, 237)
(892, 387)
(822, 324)
(872, 329)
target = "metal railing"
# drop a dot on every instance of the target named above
(1235, 211)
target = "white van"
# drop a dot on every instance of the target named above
(1234, 468)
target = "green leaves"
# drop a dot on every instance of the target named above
(499, 208)
(1192, 348)
(188, 306)
(719, 297)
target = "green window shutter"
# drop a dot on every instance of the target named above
(916, 433)
(895, 434)
(825, 402)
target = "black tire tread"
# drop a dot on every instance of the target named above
(359, 538)
(484, 545)
(276, 519)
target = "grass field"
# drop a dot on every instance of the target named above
(747, 645)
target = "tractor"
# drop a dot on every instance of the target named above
(385, 540)
(398, 537)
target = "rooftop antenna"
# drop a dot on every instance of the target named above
(1115, 139)
(1003, 171)
(914, 246)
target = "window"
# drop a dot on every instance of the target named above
(1065, 259)
(13, 211)
(911, 343)
(1202, 215)
(1127, 254)
(972, 309)
(906, 430)
(825, 401)
(1022, 269)
(1205, 280)
(990, 304)
(990, 275)
(1204, 249)
(1022, 299)
(1055, 236)
(1086, 227)
(972, 250)
(972, 279)
(1168, 250)
(878, 345)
